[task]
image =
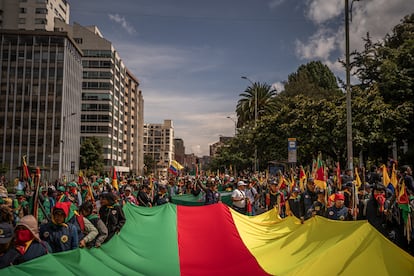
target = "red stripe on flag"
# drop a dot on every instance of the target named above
(208, 240)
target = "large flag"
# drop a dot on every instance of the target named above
(175, 167)
(320, 178)
(114, 179)
(259, 245)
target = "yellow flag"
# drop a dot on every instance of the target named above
(357, 179)
(385, 177)
(394, 180)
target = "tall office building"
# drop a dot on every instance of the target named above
(97, 96)
(32, 14)
(159, 145)
(112, 104)
(40, 91)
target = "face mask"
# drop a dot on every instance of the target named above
(380, 198)
(23, 236)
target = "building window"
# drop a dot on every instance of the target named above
(78, 40)
(40, 21)
(23, 10)
(22, 20)
(41, 11)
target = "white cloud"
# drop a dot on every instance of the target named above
(323, 10)
(376, 17)
(278, 86)
(319, 46)
(275, 3)
(122, 21)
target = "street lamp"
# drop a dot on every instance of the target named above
(235, 124)
(255, 119)
(348, 89)
(62, 141)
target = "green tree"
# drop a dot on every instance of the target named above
(91, 156)
(314, 80)
(149, 163)
(245, 109)
(390, 66)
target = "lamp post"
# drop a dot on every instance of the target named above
(235, 124)
(62, 141)
(348, 89)
(255, 120)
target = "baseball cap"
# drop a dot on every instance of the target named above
(6, 232)
(241, 183)
(339, 196)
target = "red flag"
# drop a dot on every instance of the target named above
(402, 196)
(26, 174)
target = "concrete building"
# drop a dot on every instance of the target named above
(32, 14)
(159, 145)
(133, 153)
(105, 102)
(216, 146)
(112, 104)
(40, 92)
(179, 150)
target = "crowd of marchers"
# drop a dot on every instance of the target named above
(89, 213)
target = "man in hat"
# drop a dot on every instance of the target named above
(318, 207)
(8, 254)
(143, 196)
(21, 205)
(111, 214)
(59, 234)
(28, 242)
(162, 197)
(239, 199)
(275, 198)
(294, 205)
(61, 195)
(252, 195)
(211, 190)
(338, 211)
(309, 196)
(128, 196)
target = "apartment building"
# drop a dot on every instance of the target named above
(159, 145)
(32, 14)
(112, 104)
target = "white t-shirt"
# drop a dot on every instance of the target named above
(251, 193)
(238, 194)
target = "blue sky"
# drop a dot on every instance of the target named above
(189, 55)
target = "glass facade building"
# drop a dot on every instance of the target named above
(40, 92)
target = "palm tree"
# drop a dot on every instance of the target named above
(246, 105)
